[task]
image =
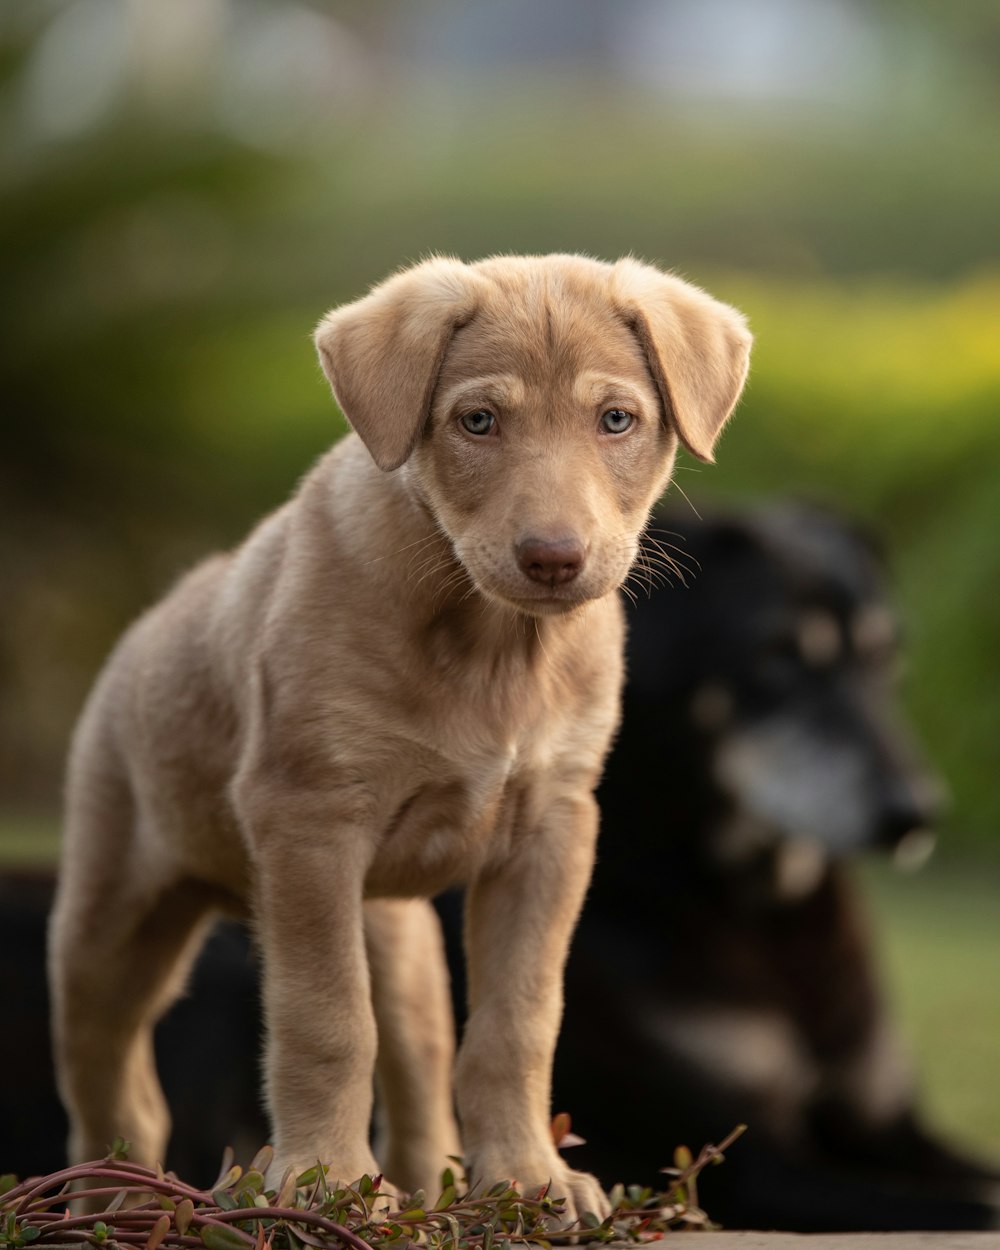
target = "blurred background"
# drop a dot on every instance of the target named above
(186, 188)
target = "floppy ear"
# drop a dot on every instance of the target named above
(698, 350)
(383, 353)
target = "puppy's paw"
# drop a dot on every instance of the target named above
(580, 1191)
(583, 1193)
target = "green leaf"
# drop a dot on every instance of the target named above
(455, 1231)
(7, 1182)
(224, 1199)
(158, 1232)
(251, 1182)
(119, 1148)
(228, 1179)
(448, 1196)
(262, 1160)
(183, 1215)
(219, 1237)
(285, 1196)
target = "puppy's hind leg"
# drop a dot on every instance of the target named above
(120, 947)
(416, 1042)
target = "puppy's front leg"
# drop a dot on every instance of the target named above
(519, 921)
(320, 1046)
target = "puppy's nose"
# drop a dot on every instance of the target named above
(550, 561)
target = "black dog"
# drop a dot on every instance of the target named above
(723, 972)
(207, 1047)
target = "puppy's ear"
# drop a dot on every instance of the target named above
(383, 353)
(698, 350)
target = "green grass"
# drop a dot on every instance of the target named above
(28, 842)
(940, 937)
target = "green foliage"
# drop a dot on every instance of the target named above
(939, 938)
(151, 1209)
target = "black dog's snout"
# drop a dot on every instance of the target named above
(550, 561)
(904, 809)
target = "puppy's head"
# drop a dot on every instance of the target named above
(535, 405)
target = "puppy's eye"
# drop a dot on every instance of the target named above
(480, 422)
(616, 421)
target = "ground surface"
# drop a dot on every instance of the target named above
(842, 1241)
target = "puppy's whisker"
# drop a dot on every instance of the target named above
(651, 577)
(434, 557)
(661, 559)
(664, 567)
(655, 570)
(419, 542)
(642, 581)
(687, 500)
(449, 585)
(538, 637)
(658, 544)
(435, 569)
(657, 552)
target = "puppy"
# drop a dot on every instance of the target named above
(405, 678)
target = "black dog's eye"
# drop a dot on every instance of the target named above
(616, 421)
(481, 422)
(777, 659)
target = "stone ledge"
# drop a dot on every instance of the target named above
(837, 1241)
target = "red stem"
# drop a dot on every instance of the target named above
(139, 1179)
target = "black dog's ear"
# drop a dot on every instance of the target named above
(383, 353)
(697, 348)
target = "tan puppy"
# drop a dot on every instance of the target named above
(406, 677)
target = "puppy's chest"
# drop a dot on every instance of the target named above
(455, 816)
(466, 769)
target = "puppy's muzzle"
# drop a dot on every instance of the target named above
(552, 562)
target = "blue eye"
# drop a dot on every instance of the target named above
(481, 422)
(616, 421)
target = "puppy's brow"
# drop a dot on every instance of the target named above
(502, 388)
(596, 388)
